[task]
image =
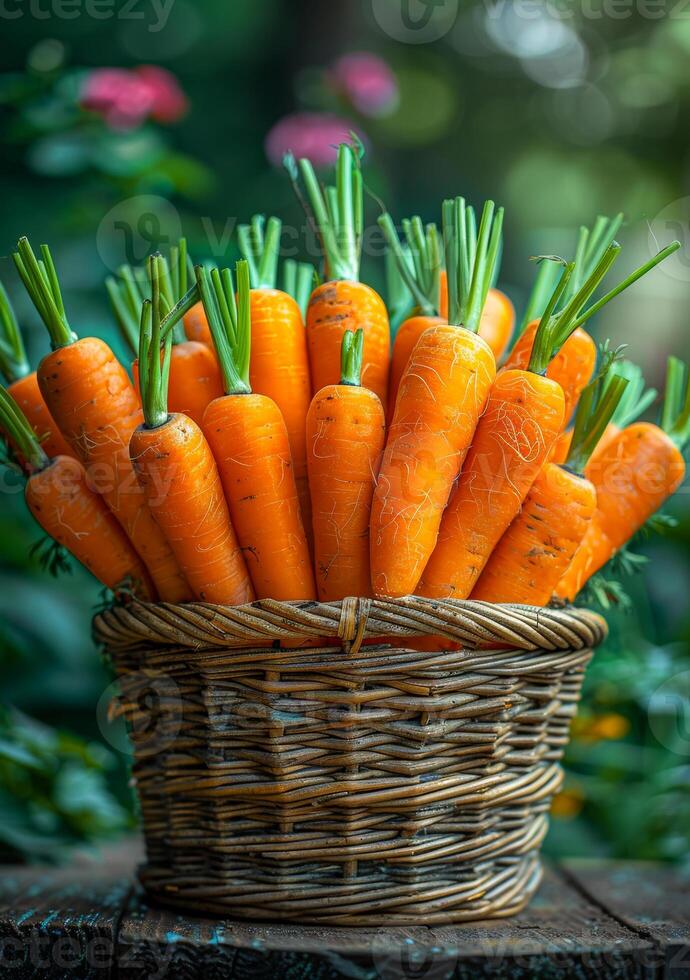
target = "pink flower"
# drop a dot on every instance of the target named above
(315, 135)
(126, 99)
(367, 82)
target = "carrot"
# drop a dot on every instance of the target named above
(636, 400)
(280, 364)
(92, 400)
(343, 303)
(540, 543)
(249, 440)
(427, 284)
(298, 282)
(636, 473)
(194, 372)
(442, 394)
(58, 495)
(523, 419)
(179, 475)
(22, 383)
(574, 365)
(196, 326)
(345, 436)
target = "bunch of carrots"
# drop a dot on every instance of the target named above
(272, 437)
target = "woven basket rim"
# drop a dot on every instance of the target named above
(347, 623)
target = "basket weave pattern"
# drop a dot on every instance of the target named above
(343, 777)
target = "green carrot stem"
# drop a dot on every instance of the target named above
(595, 410)
(409, 276)
(14, 424)
(127, 322)
(542, 348)
(261, 248)
(340, 233)
(675, 420)
(399, 300)
(542, 290)
(185, 304)
(601, 236)
(41, 283)
(481, 265)
(298, 282)
(13, 360)
(633, 277)
(351, 358)
(154, 369)
(636, 399)
(555, 330)
(229, 321)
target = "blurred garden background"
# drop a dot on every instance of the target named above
(123, 124)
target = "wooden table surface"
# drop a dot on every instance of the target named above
(588, 920)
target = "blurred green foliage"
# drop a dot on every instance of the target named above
(559, 115)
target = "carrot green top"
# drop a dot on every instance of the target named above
(471, 259)
(298, 282)
(260, 245)
(419, 265)
(596, 408)
(13, 422)
(589, 251)
(41, 283)
(556, 327)
(154, 370)
(13, 360)
(229, 321)
(636, 398)
(132, 287)
(337, 213)
(351, 358)
(675, 417)
(399, 299)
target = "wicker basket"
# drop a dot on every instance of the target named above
(301, 761)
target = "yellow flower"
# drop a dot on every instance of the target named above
(568, 803)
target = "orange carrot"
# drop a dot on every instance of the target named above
(196, 326)
(345, 436)
(194, 372)
(343, 303)
(92, 400)
(524, 417)
(532, 555)
(497, 322)
(58, 496)
(442, 395)
(637, 472)
(249, 440)
(427, 284)
(280, 363)
(179, 475)
(22, 383)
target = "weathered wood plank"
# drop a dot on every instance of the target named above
(63, 922)
(652, 899)
(561, 935)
